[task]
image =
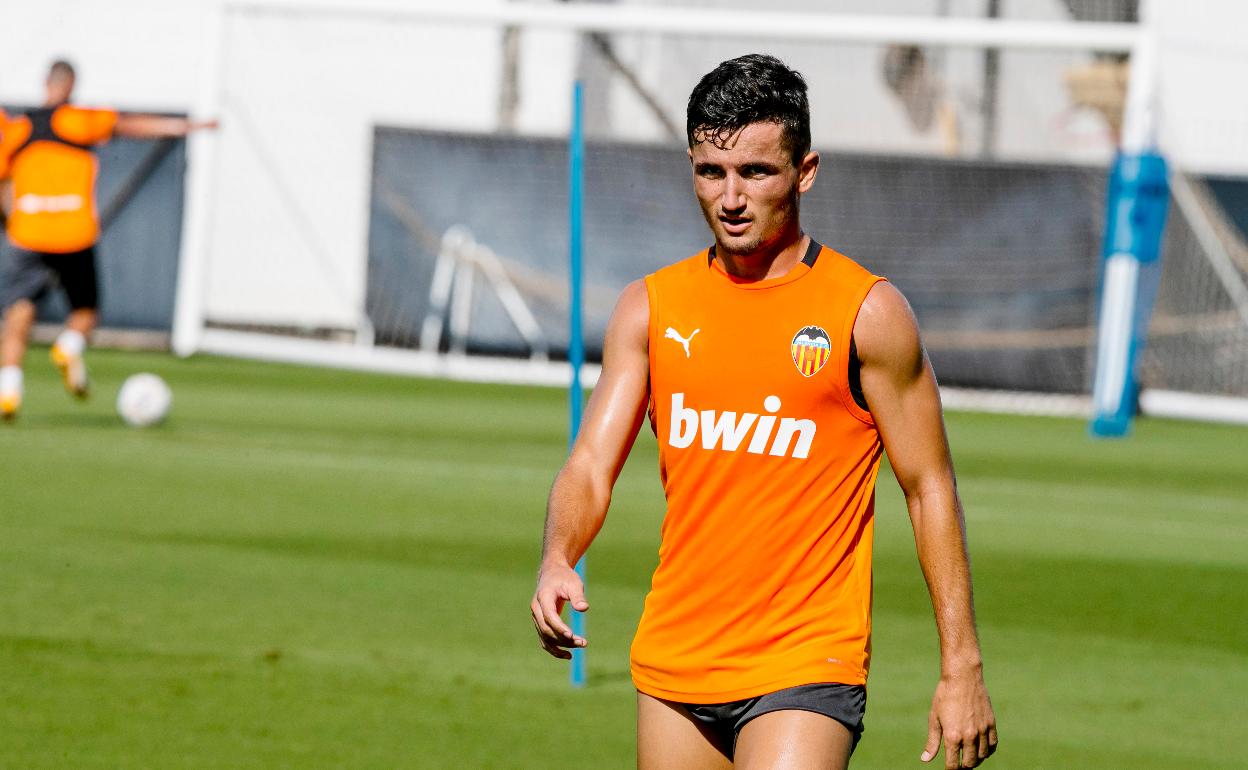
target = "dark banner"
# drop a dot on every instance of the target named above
(999, 260)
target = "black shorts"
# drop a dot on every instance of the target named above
(846, 703)
(31, 274)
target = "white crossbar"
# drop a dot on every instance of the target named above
(707, 22)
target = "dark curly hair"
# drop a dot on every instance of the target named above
(755, 88)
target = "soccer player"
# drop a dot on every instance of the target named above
(774, 372)
(48, 157)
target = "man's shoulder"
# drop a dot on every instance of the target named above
(86, 109)
(14, 129)
(684, 268)
(885, 328)
(13, 120)
(846, 265)
(83, 125)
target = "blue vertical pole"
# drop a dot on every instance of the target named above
(1139, 194)
(576, 344)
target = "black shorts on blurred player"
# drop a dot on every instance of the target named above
(31, 274)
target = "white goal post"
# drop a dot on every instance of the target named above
(344, 335)
(824, 27)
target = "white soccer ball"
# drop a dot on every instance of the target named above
(144, 400)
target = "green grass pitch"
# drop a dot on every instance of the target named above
(309, 568)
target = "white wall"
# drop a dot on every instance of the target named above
(300, 99)
(1204, 68)
(136, 54)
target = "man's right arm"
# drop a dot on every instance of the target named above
(582, 490)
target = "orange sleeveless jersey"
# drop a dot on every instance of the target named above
(769, 467)
(48, 155)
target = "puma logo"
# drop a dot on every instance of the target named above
(672, 334)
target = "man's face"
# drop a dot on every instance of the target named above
(749, 188)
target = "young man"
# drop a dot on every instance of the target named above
(48, 160)
(776, 371)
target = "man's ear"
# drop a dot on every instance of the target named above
(689, 152)
(807, 171)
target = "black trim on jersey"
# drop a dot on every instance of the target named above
(41, 131)
(855, 376)
(812, 253)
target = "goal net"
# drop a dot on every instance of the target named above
(389, 189)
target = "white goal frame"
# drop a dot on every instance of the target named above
(190, 334)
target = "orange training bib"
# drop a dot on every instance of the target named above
(48, 152)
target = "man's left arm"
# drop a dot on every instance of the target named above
(136, 126)
(901, 392)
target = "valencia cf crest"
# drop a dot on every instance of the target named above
(811, 350)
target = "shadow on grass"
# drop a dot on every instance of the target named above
(1204, 606)
(622, 566)
(1145, 600)
(70, 420)
(607, 678)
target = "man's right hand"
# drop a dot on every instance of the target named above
(582, 490)
(557, 584)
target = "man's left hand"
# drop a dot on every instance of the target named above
(962, 715)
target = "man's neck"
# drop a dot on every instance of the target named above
(769, 261)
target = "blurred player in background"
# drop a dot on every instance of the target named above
(774, 370)
(47, 155)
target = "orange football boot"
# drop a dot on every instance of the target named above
(73, 372)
